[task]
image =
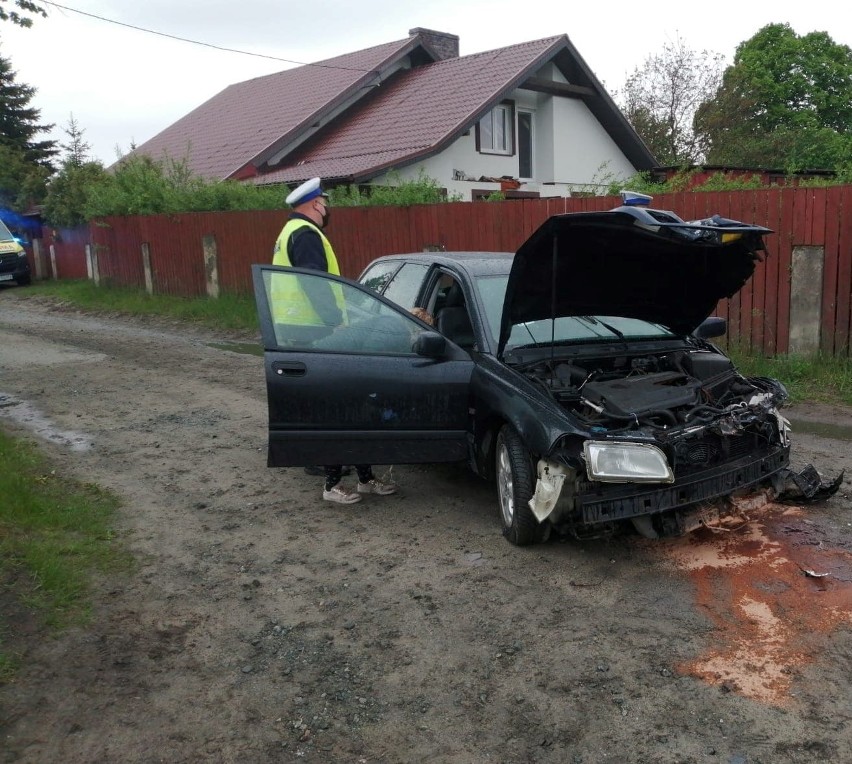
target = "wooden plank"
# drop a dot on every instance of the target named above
(818, 213)
(785, 260)
(844, 276)
(738, 210)
(771, 265)
(758, 312)
(828, 219)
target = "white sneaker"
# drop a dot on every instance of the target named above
(377, 487)
(340, 495)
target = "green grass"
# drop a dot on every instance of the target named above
(227, 312)
(820, 378)
(55, 536)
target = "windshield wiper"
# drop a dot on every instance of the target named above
(593, 320)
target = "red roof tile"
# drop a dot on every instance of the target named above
(414, 113)
(233, 127)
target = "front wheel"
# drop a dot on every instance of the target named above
(515, 487)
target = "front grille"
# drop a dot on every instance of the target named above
(701, 453)
(709, 449)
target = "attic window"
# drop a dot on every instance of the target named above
(495, 132)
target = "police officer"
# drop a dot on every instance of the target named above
(315, 308)
(302, 244)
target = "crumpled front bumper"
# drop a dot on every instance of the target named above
(560, 498)
(609, 503)
(806, 487)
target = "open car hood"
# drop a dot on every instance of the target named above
(631, 262)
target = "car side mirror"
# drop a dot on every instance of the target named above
(715, 326)
(429, 345)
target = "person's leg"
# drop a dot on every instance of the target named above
(333, 491)
(369, 483)
(333, 473)
(365, 472)
(320, 471)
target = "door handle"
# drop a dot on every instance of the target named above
(289, 368)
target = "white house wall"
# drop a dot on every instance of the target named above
(583, 151)
(572, 152)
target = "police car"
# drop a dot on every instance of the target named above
(14, 265)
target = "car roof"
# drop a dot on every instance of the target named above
(475, 263)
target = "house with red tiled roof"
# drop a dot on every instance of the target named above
(531, 119)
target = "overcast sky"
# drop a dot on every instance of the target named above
(124, 85)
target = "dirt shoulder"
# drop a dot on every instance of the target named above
(263, 625)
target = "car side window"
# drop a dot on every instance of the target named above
(406, 284)
(313, 312)
(452, 317)
(377, 277)
(442, 286)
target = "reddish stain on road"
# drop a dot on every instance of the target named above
(773, 590)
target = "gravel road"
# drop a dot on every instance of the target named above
(263, 625)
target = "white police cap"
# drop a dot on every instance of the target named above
(310, 189)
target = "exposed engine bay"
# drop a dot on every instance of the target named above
(672, 389)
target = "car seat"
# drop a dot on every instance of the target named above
(453, 320)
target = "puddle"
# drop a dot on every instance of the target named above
(27, 415)
(770, 614)
(823, 429)
(247, 348)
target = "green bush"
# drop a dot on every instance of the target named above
(399, 193)
(140, 185)
(68, 193)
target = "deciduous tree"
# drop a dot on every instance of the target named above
(661, 97)
(785, 102)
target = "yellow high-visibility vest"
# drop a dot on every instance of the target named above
(290, 304)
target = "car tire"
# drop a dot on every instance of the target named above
(24, 281)
(515, 487)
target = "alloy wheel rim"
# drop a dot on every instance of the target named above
(505, 485)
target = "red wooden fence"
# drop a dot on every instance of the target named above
(759, 315)
(66, 251)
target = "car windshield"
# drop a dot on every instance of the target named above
(5, 233)
(492, 289)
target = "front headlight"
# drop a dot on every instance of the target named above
(612, 462)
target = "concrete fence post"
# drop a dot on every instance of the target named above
(53, 272)
(38, 258)
(89, 269)
(806, 299)
(146, 267)
(211, 265)
(96, 271)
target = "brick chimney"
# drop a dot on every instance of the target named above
(444, 44)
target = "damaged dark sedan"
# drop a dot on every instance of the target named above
(578, 374)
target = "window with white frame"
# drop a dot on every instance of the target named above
(495, 132)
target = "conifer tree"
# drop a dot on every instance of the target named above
(19, 125)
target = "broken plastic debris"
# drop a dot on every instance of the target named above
(807, 486)
(811, 573)
(551, 476)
